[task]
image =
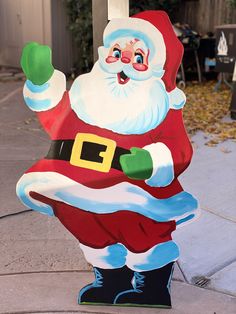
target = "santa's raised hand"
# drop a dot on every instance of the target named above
(45, 86)
(36, 62)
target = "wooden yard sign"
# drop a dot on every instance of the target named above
(118, 147)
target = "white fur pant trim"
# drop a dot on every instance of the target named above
(117, 256)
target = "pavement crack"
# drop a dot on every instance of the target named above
(52, 311)
(220, 267)
(10, 95)
(219, 215)
(13, 261)
(57, 311)
(182, 272)
(45, 272)
(17, 213)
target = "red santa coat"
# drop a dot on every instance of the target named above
(137, 232)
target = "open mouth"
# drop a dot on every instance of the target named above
(122, 78)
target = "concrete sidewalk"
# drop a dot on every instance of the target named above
(52, 292)
(41, 265)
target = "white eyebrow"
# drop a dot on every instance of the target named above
(122, 41)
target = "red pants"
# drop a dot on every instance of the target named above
(136, 232)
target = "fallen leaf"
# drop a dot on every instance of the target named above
(205, 109)
(225, 150)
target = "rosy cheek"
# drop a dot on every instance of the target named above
(140, 66)
(111, 59)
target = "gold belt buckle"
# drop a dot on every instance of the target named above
(107, 155)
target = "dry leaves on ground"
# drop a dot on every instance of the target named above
(205, 109)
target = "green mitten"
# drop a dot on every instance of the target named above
(137, 165)
(36, 62)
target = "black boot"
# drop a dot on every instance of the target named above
(108, 283)
(150, 288)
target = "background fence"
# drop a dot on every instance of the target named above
(204, 15)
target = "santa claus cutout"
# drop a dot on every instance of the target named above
(118, 147)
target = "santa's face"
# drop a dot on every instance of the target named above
(132, 54)
(122, 93)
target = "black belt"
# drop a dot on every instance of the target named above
(62, 149)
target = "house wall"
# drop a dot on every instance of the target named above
(42, 21)
(22, 21)
(204, 15)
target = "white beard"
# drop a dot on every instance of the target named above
(132, 108)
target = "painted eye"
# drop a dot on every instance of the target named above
(138, 58)
(116, 53)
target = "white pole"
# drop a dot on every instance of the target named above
(103, 11)
(118, 9)
(100, 19)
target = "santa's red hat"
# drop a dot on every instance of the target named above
(166, 51)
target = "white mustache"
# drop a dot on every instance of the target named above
(119, 66)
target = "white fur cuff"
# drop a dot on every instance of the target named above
(177, 98)
(45, 96)
(163, 169)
